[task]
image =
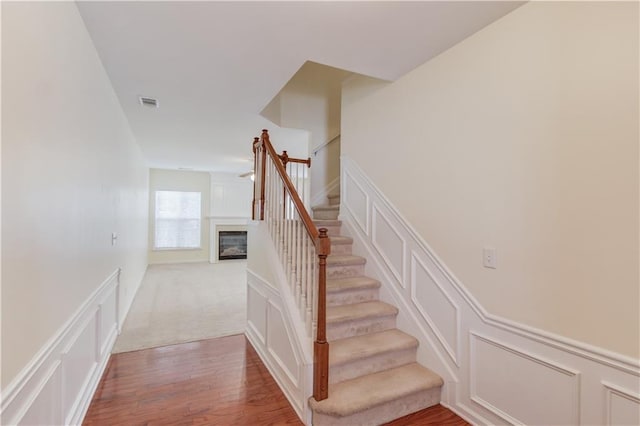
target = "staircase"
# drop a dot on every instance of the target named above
(373, 374)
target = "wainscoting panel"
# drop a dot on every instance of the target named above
(78, 363)
(273, 322)
(57, 385)
(272, 333)
(622, 407)
(549, 395)
(355, 200)
(257, 313)
(389, 243)
(46, 407)
(278, 342)
(496, 371)
(435, 306)
(108, 323)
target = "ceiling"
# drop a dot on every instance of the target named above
(213, 66)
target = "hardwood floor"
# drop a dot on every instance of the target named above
(432, 416)
(211, 382)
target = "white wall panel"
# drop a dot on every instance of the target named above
(522, 388)
(389, 243)
(257, 312)
(279, 343)
(46, 405)
(78, 363)
(356, 201)
(622, 407)
(107, 323)
(435, 306)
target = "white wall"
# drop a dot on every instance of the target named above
(311, 101)
(179, 180)
(72, 174)
(230, 195)
(524, 137)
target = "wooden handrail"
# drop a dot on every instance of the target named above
(286, 159)
(322, 245)
(295, 198)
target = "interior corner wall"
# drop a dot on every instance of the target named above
(72, 174)
(524, 138)
(180, 180)
(311, 101)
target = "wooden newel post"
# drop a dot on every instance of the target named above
(320, 346)
(263, 170)
(256, 141)
(284, 157)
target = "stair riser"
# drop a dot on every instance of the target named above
(325, 214)
(341, 248)
(334, 200)
(343, 271)
(359, 327)
(385, 412)
(346, 297)
(372, 364)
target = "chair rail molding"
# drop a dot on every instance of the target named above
(495, 370)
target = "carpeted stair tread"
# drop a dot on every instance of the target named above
(357, 311)
(339, 240)
(358, 347)
(351, 283)
(326, 222)
(325, 207)
(356, 395)
(334, 199)
(345, 260)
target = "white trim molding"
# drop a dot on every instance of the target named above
(495, 370)
(56, 387)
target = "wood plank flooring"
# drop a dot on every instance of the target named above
(211, 382)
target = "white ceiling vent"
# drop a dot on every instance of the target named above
(150, 102)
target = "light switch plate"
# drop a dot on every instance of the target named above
(489, 258)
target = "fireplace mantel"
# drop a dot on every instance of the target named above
(231, 223)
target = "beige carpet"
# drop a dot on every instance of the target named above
(186, 302)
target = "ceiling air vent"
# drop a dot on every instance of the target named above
(150, 102)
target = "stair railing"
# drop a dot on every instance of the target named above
(301, 247)
(298, 173)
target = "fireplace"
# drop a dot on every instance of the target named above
(232, 245)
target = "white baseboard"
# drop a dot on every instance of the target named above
(57, 386)
(495, 370)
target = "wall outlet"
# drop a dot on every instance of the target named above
(489, 258)
(114, 238)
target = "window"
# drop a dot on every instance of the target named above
(178, 217)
